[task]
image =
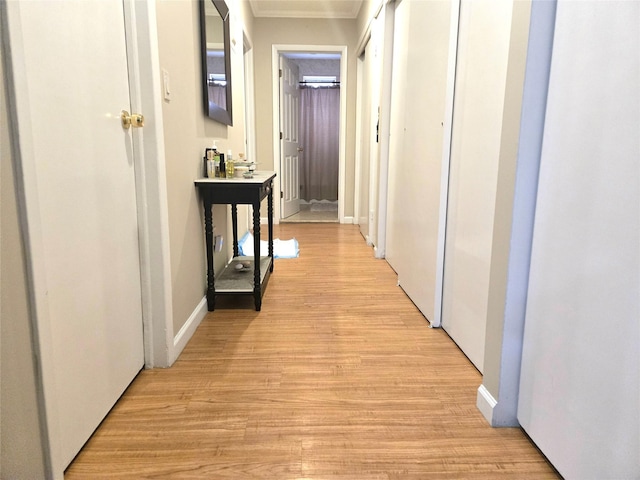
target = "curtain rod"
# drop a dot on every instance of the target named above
(320, 83)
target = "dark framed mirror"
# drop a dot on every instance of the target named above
(216, 60)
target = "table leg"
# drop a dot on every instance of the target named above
(270, 223)
(257, 294)
(234, 220)
(208, 229)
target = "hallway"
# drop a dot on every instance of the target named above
(338, 377)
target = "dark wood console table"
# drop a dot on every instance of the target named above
(234, 191)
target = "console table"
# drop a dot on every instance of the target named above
(234, 191)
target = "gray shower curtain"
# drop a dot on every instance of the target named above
(319, 137)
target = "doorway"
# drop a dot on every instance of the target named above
(309, 132)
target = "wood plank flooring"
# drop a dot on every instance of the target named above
(338, 377)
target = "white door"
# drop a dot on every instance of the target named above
(475, 150)
(71, 83)
(580, 380)
(420, 63)
(289, 129)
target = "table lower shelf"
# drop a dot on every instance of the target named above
(233, 281)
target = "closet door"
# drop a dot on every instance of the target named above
(420, 61)
(580, 380)
(483, 49)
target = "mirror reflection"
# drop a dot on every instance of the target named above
(216, 60)
(216, 79)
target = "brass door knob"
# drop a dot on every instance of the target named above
(135, 119)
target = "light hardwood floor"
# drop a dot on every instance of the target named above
(338, 377)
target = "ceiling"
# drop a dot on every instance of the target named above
(306, 8)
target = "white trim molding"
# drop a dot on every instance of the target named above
(486, 404)
(499, 413)
(188, 329)
(151, 184)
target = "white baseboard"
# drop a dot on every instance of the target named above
(497, 414)
(345, 220)
(188, 329)
(486, 403)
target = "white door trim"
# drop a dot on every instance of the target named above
(151, 185)
(384, 128)
(276, 50)
(358, 150)
(250, 110)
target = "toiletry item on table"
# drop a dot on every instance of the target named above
(229, 164)
(229, 167)
(209, 163)
(243, 167)
(223, 173)
(216, 164)
(240, 171)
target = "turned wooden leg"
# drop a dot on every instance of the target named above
(270, 224)
(234, 221)
(208, 229)
(257, 294)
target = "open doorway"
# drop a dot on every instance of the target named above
(310, 148)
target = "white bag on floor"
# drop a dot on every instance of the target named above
(281, 248)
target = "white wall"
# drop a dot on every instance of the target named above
(328, 67)
(580, 388)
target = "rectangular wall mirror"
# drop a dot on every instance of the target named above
(216, 60)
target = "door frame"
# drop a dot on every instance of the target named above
(358, 147)
(363, 125)
(152, 210)
(145, 83)
(249, 110)
(276, 51)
